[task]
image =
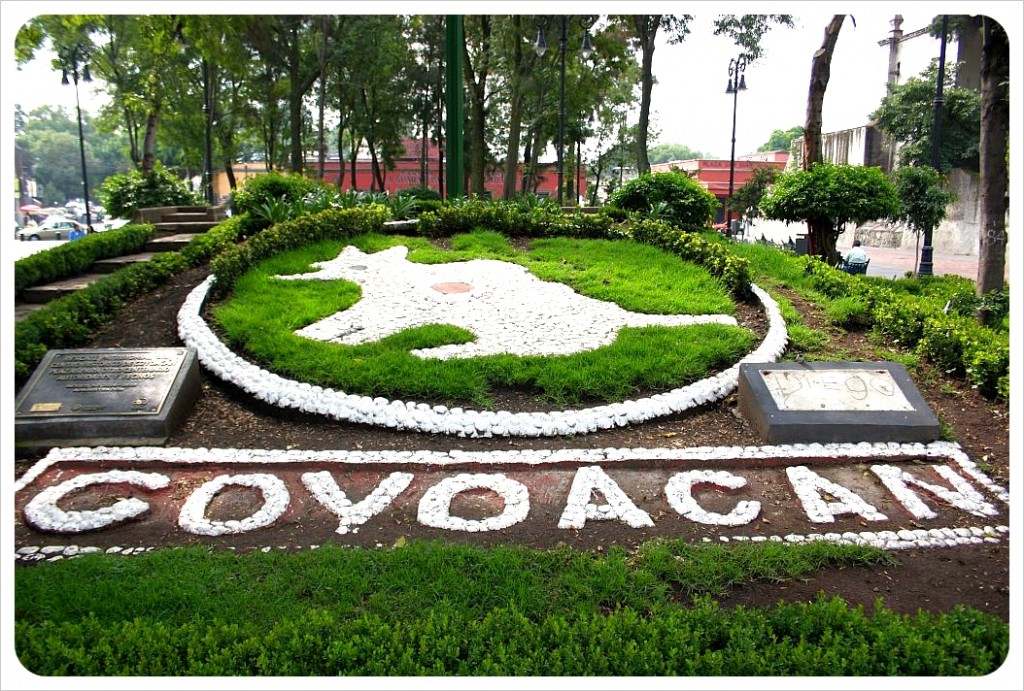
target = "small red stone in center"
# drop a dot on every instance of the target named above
(452, 287)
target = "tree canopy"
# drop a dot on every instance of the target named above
(907, 114)
(782, 140)
(830, 196)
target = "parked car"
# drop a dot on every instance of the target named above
(54, 228)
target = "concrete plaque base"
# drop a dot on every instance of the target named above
(106, 396)
(834, 402)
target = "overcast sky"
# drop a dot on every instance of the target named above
(690, 105)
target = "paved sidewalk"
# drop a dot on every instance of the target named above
(894, 262)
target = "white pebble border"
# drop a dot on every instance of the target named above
(393, 485)
(276, 390)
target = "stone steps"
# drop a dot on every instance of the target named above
(176, 226)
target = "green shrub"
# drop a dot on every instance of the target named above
(963, 348)
(900, 320)
(733, 271)
(820, 638)
(851, 313)
(125, 193)
(967, 303)
(421, 194)
(333, 223)
(70, 321)
(73, 258)
(268, 187)
(686, 203)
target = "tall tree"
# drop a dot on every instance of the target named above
(644, 31)
(995, 125)
(821, 70)
(907, 115)
(476, 65)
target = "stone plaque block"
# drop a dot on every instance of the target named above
(834, 402)
(106, 396)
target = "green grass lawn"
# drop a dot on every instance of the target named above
(262, 313)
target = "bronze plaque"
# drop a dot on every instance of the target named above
(109, 381)
(107, 396)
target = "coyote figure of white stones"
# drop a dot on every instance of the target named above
(507, 308)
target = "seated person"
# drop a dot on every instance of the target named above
(856, 255)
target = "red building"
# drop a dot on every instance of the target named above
(417, 167)
(713, 174)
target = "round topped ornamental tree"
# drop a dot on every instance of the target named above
(827, 197)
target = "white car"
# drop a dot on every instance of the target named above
(54, 228)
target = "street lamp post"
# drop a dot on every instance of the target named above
(208, 149)
(73, 63)
(586, 51)
(737, 83)
(925, 268)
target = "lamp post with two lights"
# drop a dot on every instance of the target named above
(586, 51)
(737, 83)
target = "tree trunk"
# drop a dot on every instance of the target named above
(230, 172)
(515, 114)
(321, 141)
(149, 142)
(821, 239)
(995, 123)
(355, 150)
(646, 29)
(477, 84)
(341, 161)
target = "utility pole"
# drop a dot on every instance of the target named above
(454, 149)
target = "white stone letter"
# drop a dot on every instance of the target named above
(42, 513)
(963, 496)
(679, 492)
(275, 500)
(326, 491)
(809, 485)
(436, 504)
(579, 509)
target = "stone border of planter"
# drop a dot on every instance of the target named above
(279, 391)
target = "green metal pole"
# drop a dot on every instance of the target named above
(453, 108)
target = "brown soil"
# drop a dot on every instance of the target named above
(930, 579)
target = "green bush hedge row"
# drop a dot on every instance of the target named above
(733, 271)
(73, 258)
(545, 221)
(955, 343)
(333, 223)
(70, 321)
(823, 638)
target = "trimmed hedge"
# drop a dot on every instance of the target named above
(733, 271)
(326, 225)
(682, 198)
(543, 221)
(823, 638)
(945, 336)
(73, 258)
(70, 321)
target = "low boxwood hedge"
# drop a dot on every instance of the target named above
(70, 321)
(74, 258)
(823, 638)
